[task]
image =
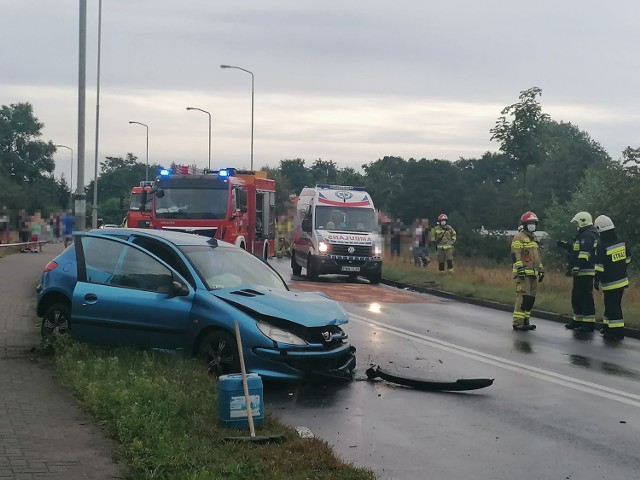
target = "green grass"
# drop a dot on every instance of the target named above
(161, 411)
(496, 283)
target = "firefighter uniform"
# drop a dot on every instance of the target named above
(528, 272)
(582, 264)
(444, 237)
(611, 275)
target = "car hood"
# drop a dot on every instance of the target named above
(309, 309)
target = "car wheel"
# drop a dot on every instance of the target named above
(219, 352)
(375, 279)
(297, 269)
(312, 269)
(55, 322)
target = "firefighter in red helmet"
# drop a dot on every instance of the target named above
(527, 269)
(444, 238)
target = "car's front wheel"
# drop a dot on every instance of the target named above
(55, 321)
(219, 352)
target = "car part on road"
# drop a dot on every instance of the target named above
(459, 385)
(245, 387)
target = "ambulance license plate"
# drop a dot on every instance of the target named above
(350, 269)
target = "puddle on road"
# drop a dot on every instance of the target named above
(606, 367)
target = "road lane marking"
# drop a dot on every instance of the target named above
(535, 372)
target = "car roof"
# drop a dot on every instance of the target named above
(177, 238)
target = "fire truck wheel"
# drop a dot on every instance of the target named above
(312, 269)
(297, 269)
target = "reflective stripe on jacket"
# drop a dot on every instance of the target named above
(611, 265)
(582, 258)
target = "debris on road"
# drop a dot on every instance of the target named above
(421, 384)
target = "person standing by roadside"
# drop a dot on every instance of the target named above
(395, 238)
(68, 223)
(444, 238)
(527, 269)
(611, 276)
(4, 225)
(582, 267)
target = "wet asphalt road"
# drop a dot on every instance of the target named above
(562, 406)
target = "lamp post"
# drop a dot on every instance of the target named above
(147, 127)
(204, 111)
(94, 209)
(252, 79)
(70, 178)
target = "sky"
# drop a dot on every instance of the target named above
(349, 81)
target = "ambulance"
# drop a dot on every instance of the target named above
(335, 231)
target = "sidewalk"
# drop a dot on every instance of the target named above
(43, 434)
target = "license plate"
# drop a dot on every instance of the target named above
(350, 269)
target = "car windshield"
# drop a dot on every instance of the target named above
(231, 267)
(193, 203)
(353, 219)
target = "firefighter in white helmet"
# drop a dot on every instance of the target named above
(581, 266)
(527, 270)
(611, 276)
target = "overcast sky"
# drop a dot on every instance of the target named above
(349, 81)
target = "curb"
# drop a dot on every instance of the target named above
(554, 317)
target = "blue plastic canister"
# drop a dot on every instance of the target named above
(232, 409)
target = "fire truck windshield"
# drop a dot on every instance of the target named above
(192, 203)
(136, 200)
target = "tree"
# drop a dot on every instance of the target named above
(384, 179)
(296, 173)
(22, 155)
(521, 138)
(323, 171)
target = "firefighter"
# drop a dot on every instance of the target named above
(582, 266)
(444, 238)
(527, 269)
(611, 276)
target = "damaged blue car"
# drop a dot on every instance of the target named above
(183, 292)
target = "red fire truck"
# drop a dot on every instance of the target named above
(137, 218)
(236, 206)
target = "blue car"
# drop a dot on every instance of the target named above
(183, 292)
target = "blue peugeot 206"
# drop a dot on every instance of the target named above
(183, 292)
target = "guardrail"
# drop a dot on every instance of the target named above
(23, 246)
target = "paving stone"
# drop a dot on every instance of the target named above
(43, 433)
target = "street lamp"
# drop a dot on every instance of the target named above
(71, 150)
(204, 111)
(250, 73)
(147, 127)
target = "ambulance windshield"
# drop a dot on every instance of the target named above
(352, 219)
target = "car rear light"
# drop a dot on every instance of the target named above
(50, 266)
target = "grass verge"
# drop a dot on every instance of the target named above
(496, 283)
(162, 412)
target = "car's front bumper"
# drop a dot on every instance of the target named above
(301, 363)
(345, 265)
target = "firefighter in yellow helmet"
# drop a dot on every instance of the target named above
(582, 268)
(444, 238)
(527, 269)
(611, 276)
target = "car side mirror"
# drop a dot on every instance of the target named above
(160, 193)
(178, 289)
(306, 225)
(243, 209)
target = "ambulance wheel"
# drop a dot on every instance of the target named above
(297, 269)
(312, 269)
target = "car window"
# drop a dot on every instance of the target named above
(221, 267)
(112, 263)
(166, 254)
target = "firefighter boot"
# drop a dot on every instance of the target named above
(529, 326)
(613, 333)
(520, 328)
(573, 325)
(441, 267)
(449, 266)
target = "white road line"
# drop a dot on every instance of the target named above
(539, 373)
